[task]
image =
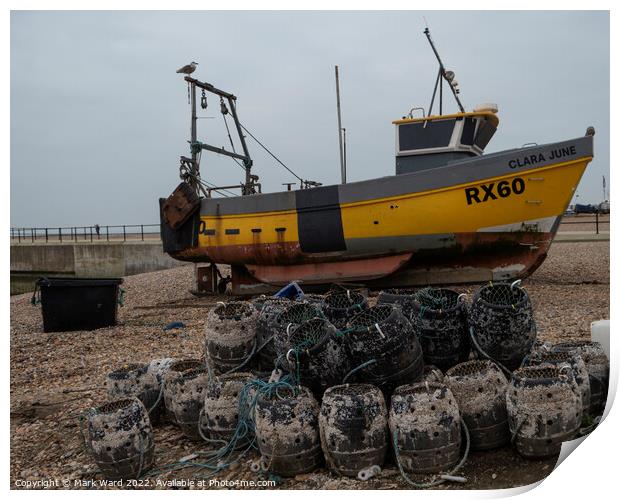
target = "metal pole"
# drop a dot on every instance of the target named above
(142, 231)
(46, 235)
(344, 147)
(124, 234)
(343, 172)
(19, 235)
(32, 234)
(596, 222)
(91, 233)
(194, 134)
(107, 233)
(60, 234)
(246, 163)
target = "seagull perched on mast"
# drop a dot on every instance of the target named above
(188, 69)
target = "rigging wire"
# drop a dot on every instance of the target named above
(232, 144)
(271, 154)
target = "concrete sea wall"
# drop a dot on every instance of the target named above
(29, 261)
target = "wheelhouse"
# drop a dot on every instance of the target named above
(433, 141)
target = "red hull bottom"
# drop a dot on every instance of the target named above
(475, 258)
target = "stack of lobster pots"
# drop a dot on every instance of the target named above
(418, 378)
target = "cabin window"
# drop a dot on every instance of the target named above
(469, 127)
(436, 134)
(485, 132)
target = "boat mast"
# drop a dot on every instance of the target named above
(447, 75)
(343, 168)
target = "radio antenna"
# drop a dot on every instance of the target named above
(443, 74)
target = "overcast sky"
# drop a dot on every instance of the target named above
(99, 117)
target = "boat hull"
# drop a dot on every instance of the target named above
(491, 217)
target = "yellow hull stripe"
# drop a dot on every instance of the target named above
(547, 192)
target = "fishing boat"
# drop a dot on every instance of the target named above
(450, 214)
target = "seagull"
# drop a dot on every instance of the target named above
(188, 69)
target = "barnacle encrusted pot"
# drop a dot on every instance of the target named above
(382, 337)
(287, 432)
(340, 306)
(187, 393)
(174, 371)
(597, 365)
(426, 427)
(439, 319)
(501, 320)
(119, 437)
(220, 416)
(353, 428)
(544, 408)
(578, 366)
(316, 354)
(266, 327)
(480, 390)
(230, 335)
(135, 380)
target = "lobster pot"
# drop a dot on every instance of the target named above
(480, 390)
(175, 371)
(316, 353)
(266, 329)
(502, 323)
(230, 335)
(578, 366)
(353, 428)
(287, 432)
(404, 298)
(383, 334)
(597, 365)
(294, 315)
(119, 437)
(440, 322)
(220, 416)
(431, 374)
(158, 368)
(544, 409)
(340, 306)
(135, 380)
(188, 396)
(426, 427)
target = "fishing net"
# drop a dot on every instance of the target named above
(373, 316)
(309, 334)
(298, 313)
(344, 299)
(502, 295)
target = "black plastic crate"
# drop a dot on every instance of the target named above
(78, 303)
